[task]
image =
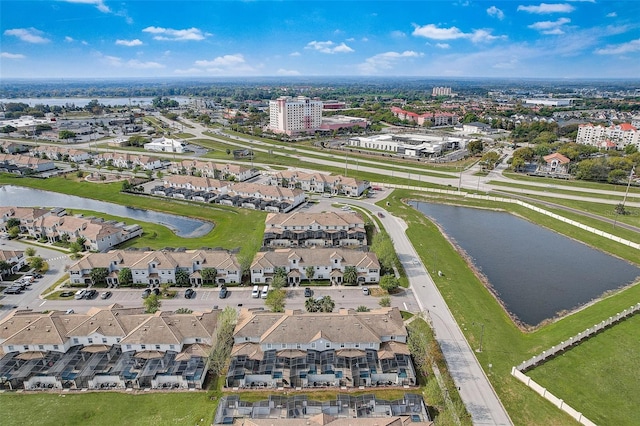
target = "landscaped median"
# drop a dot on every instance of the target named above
(505, 345)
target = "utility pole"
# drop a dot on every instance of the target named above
(626, 193)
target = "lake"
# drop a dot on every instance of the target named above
(185, 227)
(536, 272)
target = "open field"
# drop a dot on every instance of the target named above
(504, 344)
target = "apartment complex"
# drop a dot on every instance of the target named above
(319, 183)
(294, 115)
(210, 169)
(107, 348)
(303, 229)
(616, 136)
(55, 225)
(159, 267)
(326, 264)
(345, 349)
(436, 118)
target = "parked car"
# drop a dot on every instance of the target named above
(70, 311)
(67, 294)
(146, 293)
(156, 291)
(90, 294)
(37, 276)
(223, 292)
(189, 293)
(80, 294)
(105, 295)
(365, 291)
(12, 290)
(307, 292)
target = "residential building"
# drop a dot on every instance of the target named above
(319, 183)
(476, 128)
(107, 348)
(441, 91)
(24, 164)
(236, 172)
(327, 263)
(159, 267)
(295, 115)
(26, 216)
(620, 135)
(60, 153)
(16, 260)
(128, 161)
(435, 118)
(345, 349)
(304, 229)
(555, 163)
(263, 197)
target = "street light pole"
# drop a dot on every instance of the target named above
(481, 336)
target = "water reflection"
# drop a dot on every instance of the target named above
(535, 272)
(185, 227)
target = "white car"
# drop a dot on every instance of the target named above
(80, 294)
(365, 291)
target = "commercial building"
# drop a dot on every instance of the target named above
(345, 349)
(166, 145)
(553, 102)
(410, 145)
(295, 115)
(618, 135)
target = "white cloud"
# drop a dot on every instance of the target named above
(99, 4)
(612, 15)
(385, 61)
(435, 33)
(170, 34)
(398, 34)
(222, 61)
(282, 71)
(30, 35)
(189, 71)
(129, 43)
(8, 55)
(544, 8)
(443, 45)
(69, 39)
(134, 63)
(328, 47)
(620, 49)
(495, 12)
(294, 54)
(550, 27)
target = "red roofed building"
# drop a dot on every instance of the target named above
(555, 163)
(436, 118)
(620, 135)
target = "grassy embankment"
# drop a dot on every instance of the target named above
(505, 345)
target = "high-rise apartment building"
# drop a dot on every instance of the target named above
(441, 91)
(294, 115)
(617, 136)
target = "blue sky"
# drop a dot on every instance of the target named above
(462, 38)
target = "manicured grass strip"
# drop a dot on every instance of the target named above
(572, 183)
(559, 190)
(582, 376)
(504, 345)
(107, 408)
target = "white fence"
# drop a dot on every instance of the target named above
(520, 203)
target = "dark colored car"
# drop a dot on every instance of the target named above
(156, 291)
(146, 293)
(223, 292)
(90, 294)
(12, 290)
(37, 275)
(380, 215)
(307, 292)
(67, 293)
(189, 293)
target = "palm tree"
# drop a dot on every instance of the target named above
(326, 304)
(311, 305)
(350, 275)
(309, 271)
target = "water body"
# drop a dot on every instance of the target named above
(27, 197)
(82, 102)
(534, 271)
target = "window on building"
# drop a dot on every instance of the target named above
(143, 347)
(56, 347)
(90, 340)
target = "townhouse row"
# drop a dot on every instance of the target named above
(222, 267)
(55, 225)
(319, 183)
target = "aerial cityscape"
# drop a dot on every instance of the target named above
(319, 212)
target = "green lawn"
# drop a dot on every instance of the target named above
(504, 344)
(227, 220)
(106, 408)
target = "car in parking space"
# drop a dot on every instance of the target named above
(105, 295)
(223, 292)
(156, 291)
(146, 293)
(90, 294)
(80, 294)
(37, 276)
(12, 290)
(67, 294)
(70, 311)
(365, 291)
(307, 292)
(189, 293)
